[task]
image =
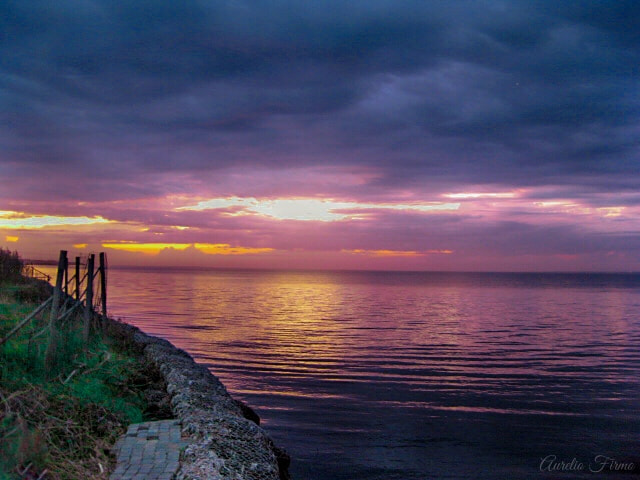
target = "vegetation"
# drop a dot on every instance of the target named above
(10, 266)
(59, 424)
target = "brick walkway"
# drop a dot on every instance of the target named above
(149, 451)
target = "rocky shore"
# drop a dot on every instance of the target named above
(223, 436)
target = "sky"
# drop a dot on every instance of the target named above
(402, 135)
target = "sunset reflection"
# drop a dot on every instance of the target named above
(256, 327)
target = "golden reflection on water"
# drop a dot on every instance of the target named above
(296, 318)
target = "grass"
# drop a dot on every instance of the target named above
(64, 418)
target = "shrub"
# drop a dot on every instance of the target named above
(10, 266)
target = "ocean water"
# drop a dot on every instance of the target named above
(378, 375)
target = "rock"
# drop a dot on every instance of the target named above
(224, 438)
(248, 412)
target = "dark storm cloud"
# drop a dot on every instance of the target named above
(433, 94)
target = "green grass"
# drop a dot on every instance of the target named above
(65, 428)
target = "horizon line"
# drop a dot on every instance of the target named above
(347, 270)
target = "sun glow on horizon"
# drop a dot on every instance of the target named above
(307, 209)
(475, 195)
(226, 249)
(146, 248)
(206, 248)
(396, 253)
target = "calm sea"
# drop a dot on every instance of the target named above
(407, 376)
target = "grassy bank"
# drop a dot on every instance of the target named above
(58, 422)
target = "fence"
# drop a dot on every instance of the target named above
(69, 296)
(29, 270)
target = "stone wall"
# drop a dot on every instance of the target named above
(224, 439)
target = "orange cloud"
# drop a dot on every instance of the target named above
(207, 248)
(146, 248)
(11, 238)
(226, 249)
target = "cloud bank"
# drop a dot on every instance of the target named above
(120, 109)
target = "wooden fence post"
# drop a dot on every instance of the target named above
(103, 283)
(88, 308)
(77, 279)
(51, 356)
(66, 275)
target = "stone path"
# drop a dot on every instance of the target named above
(149, 451)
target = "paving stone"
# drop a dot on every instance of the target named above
(148, 451)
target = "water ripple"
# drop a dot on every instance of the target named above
(413, 376)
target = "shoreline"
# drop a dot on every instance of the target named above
(223, 438)
(223, 434)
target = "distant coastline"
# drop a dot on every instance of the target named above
(40, 262)
(196, 268)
